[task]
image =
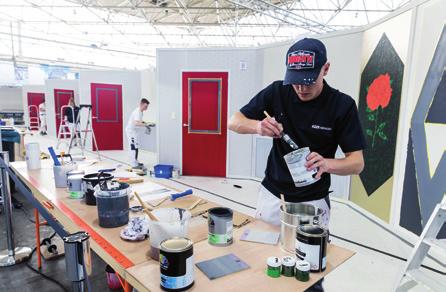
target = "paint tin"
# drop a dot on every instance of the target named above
(176, 264)
(295, 161)
(90, 181)
(273, 267)
(303, 271)
(75, 186)
(220, 226)
(288, 264)
(311, 246)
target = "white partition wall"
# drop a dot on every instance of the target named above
(243, 84)
(50, 85)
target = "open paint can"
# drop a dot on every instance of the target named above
(176, 264)
(311, 246)
(294, 215)
(172, 222)
(90, 181)
(296, 165)
(220, 226)
(113, 204)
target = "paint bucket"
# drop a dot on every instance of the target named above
(32, 156)
(302, 271)
(220, 226)
(60, 173)
(295, 161)
(176, 264)
(295, 215)
(273, 265)
(311, 246)
(288, 265)
(113, 204)
(112, 279)
(75, 172)
(75, 186)
(90, 181)
(173, 222)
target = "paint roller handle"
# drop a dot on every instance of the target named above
(188, 192)
(54, 156)
(107, 170)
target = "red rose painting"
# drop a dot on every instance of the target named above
(378, 98)
(379, 92)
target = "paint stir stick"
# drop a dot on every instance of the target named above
(146, 210)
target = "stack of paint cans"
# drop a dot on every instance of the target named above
(176, 264)
(220, 226)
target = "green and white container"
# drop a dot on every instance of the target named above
(220, 226)
(288, 264)
(273, 267)
(302, 271)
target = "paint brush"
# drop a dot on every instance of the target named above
(284, 136)
(146, 210)
(282, 199)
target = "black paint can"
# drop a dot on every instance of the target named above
(176, 264)
(311, 246)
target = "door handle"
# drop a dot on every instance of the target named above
(185, 125)
(94, 118)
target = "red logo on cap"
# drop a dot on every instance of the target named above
(301, 60)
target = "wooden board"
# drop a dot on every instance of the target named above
(147, 275)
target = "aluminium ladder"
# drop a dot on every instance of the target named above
(65, 131)
(34, 122)
(79, 137)
(428, 239)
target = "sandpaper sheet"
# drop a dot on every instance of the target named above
(222, 266)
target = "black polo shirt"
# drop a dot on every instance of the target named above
(321, 124)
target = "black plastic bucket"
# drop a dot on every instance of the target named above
(91, 180)
(113, 206)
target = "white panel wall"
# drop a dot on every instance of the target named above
(25, 90)
(131, 90)
(50, 85)
(148, 90)
(242, 87)
(11, 98)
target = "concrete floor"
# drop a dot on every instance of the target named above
(368, 270)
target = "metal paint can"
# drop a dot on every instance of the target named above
(75, 186)
(311, 246)
(220, 226)
(302, 271)
(273, 267)
(176, 264)
(295, 161)
(288, 264)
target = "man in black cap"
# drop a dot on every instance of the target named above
(314, 115)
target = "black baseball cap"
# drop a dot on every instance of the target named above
(304, 61)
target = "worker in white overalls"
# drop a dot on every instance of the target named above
(131, 130)
(42, 117)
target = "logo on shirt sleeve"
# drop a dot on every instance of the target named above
(301, 60)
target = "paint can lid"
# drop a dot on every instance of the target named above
(303, 266)
(273, 262)
(288, 261)
(176, 244)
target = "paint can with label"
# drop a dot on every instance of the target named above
(220, 226)
(273, 267)
(302, 271)
(176, 264)
(288, 264)
(295, 161)
(311, 246)
(75, 186)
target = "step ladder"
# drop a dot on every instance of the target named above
(428, 239)
(79, 137)
(65, 132)
(34, 122)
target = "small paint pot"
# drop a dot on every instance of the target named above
(273, 267)
(75, 186)
(288, 264)
(220, 226)
(302, 272)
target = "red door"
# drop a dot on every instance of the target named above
(106, 102)
(205, 97)
(34, 100)
(61, 98)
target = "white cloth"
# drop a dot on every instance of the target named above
(268, 208)
(131, 128)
